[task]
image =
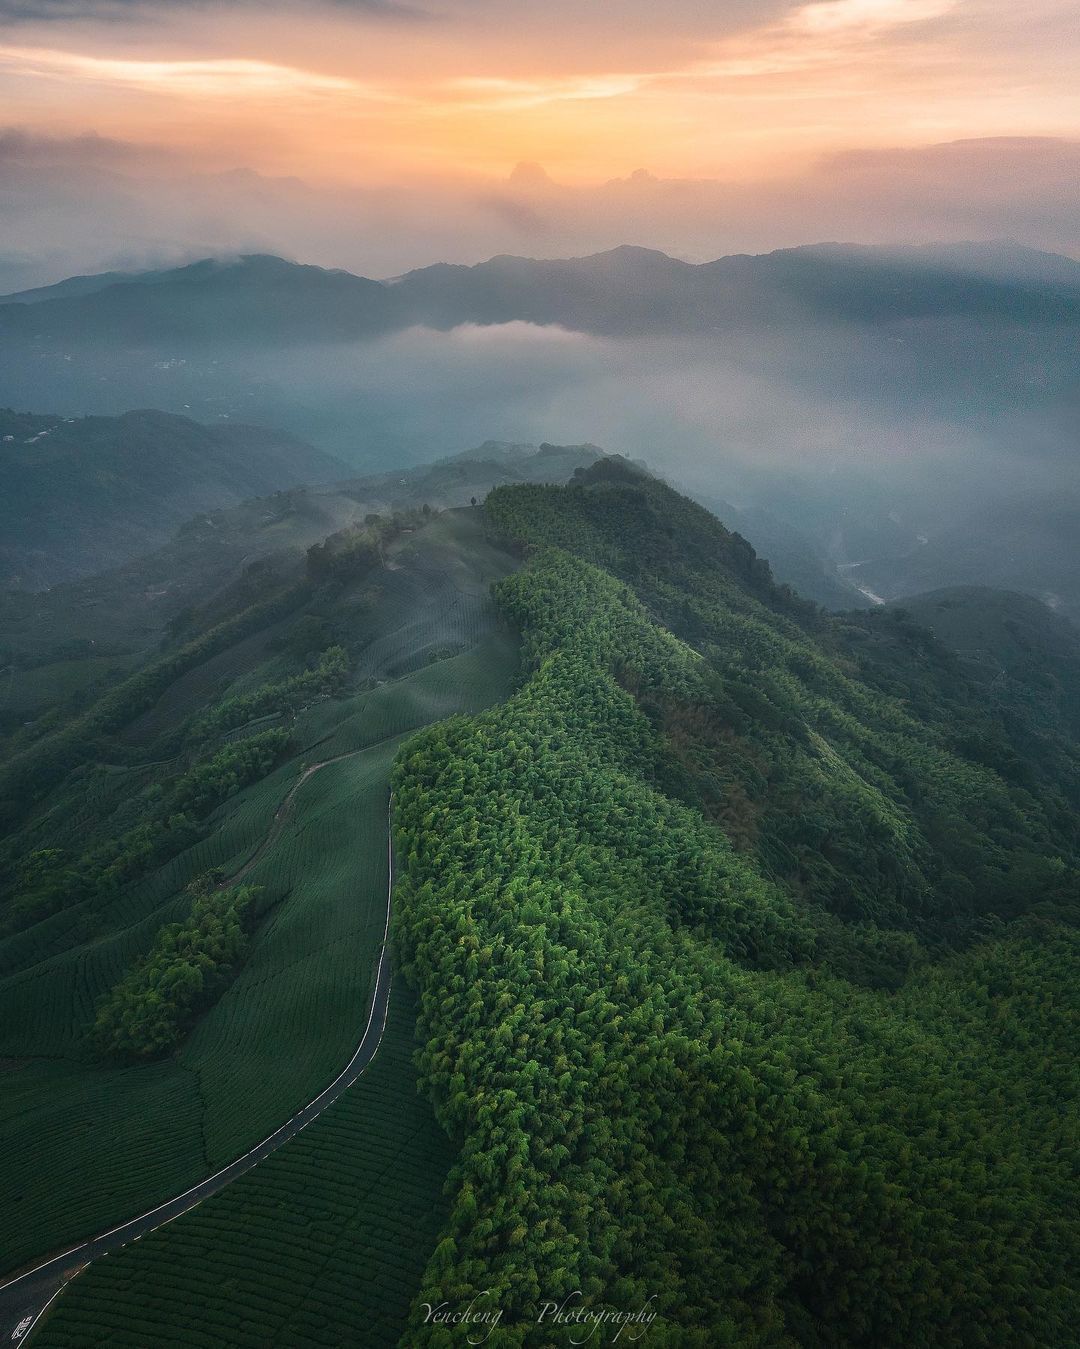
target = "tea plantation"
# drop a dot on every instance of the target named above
(89, 1141)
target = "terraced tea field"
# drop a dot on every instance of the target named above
(25, 693)
(87, 1144)
(195, 688)
(281, 1031)
(340, 1223)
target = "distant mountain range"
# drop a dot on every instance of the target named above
(268, 300)
(80, 495)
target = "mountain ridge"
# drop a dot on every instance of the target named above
(964, 254)
(627, 289)
(740, 921)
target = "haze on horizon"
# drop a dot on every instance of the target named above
(380, 135)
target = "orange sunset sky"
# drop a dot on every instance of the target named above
(378, 91)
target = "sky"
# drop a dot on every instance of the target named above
(747, 111)
(351, 89)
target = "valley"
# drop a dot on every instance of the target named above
(846, 400)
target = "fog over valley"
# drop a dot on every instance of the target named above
(155, 205)
(909, 413)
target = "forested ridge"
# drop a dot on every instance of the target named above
(745, 938)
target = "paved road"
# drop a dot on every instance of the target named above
(26, 1297)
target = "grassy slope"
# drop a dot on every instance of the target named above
(87, 1144)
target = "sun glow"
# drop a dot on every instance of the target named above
(332, 98)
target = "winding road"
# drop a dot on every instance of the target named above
(25, 1298)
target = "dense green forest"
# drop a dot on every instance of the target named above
(747, 960)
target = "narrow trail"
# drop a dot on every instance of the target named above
(283, 812)
(27, 1296)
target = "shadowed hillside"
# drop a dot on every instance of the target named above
(80, 495)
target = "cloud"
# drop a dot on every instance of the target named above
(154, 205)
(517, 331)
(838, 16)
(818, 33)
(747, 89)
(217, 78)
(522, 217)
(109, 11)
(19, 145)
(822, 32)
(498, 93)
(1021, 187)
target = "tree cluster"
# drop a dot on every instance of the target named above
(188, 967)
(324, 679)
(173, 818)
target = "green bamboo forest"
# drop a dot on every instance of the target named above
(150, 1009)
(745, 940)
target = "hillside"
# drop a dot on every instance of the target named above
(81, 495)
(72, 287)
(792, 556)
(61, 648)
(1022, 654)
(252, 298)
(743, 940)
(1026, 542)
(247, 766)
